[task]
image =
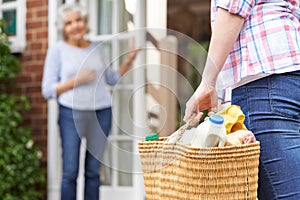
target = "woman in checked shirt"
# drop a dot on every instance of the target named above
(255, 54)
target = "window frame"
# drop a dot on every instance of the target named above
(18, 42)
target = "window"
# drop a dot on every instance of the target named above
(108, 17)
(14, 13)
(111, 23)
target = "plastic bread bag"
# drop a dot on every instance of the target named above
(237, 133)
(239, 137)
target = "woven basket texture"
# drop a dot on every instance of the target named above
(179, 172)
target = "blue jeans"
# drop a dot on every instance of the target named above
(272, 109)
(95, 127)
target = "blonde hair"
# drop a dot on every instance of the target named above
(61, 17)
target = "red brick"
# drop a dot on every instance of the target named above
(33, 89)
(31, 25)
(40, 100)
(34, 3)
(42, 13)
(39, 77)
(28, 36)
(32, 68)
(22, 79)
(36, 46)
(42, 34)
(29, 15)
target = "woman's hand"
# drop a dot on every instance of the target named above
(205, 97)
(85, 76)
(126, 65)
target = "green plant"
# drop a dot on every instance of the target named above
(20, 159)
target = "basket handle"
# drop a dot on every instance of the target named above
(177, 135)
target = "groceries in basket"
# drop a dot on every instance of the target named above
(210, 133)
(239, 137)
(226, 128)
(174, 169)
(153, 136)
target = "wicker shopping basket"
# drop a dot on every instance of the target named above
(176, 171)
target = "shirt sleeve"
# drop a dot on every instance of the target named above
(111, 76)
(239, 7)
(51, 73)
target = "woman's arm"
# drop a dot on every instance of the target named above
(84, 76)
(51, 73)
(225, 32)
(128, 62)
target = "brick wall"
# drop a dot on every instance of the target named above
(32, 60)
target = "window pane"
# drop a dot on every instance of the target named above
(125, 160)
(106, 166)
(123, 170)
(4, 1)
(10, 18)
(123, 115)
(125, 18)
(105, 17)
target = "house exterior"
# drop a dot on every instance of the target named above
(115, 23)
(28, 30)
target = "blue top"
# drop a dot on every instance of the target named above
(63, 61)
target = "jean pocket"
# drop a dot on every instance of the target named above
(284, 93)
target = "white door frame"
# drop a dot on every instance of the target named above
(53, 138)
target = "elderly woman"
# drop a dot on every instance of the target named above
(76, 73)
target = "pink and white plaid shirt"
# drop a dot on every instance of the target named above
(268, 43)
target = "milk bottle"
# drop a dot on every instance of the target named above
(210, 133)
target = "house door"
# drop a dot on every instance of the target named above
(110, 22)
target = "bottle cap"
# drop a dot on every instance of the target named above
(216, 119)
(152, 137)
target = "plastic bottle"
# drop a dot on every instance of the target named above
(200, 135)
(210, 133)
(216, 133)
